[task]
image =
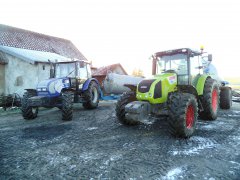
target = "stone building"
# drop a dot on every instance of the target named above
(25, 56)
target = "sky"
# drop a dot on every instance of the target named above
(130, 31)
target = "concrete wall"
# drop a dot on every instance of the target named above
(20, 75)
(2, 79)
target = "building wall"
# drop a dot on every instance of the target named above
(2, 79)
(20, 75)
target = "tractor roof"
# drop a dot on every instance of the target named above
(178, 51)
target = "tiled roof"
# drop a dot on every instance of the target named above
(102, 71)
(20, 38)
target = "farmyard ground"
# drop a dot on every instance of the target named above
(96, 146)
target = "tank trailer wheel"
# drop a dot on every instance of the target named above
(210, 100)
(125, 98)
(28, 112)
(225, 97)
(91, 96)
(67, 106)
(183, 112)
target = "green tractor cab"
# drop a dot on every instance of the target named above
(178, 89)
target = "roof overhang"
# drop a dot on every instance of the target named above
(33, 56)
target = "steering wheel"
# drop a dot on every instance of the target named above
(170, 71)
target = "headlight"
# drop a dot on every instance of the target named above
(38, 89)
(44, 89)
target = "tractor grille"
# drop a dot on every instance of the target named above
(145, 85)
(158, 90)
(42, 93)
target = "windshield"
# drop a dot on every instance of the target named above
(177, 63)
(65, 69)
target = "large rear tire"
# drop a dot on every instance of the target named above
(225, 97)
(91, 96)
(125, 98)
(210, 100)
(28, 112)
(67, 106)
(183, 113)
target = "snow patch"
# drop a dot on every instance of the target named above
(201, 144)
(209, 126)
(233, 115)
(233, 162)
(237, 112)
(211, 178)
(217, 125)
(113, 158)
(6, 129)
(91, 128)
(86, 157)
(173, 174)
(55, 160)
(72, 167)
(234, 141)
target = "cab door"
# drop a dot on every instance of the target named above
(196, 69)
(82, 74)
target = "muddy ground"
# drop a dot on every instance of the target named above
(95, 146)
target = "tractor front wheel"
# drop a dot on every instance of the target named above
(28, 112)
(67, 106)
(125, 98)
(183, 112)
(91, 96)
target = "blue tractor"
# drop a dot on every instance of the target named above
(70, 82)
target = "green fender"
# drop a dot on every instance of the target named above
(200, 83)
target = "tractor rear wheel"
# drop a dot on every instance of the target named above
(91, 96)
(225, 97)
(67, 106)
(28, 112)
(183, 112)
(210, 100)
(125, 98)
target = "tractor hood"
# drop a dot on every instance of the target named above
(52, 87)
(156, 89)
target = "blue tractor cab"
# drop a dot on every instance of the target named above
(70, 82)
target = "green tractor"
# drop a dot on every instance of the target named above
(178, 89)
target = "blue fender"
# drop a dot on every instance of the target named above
(87, 82)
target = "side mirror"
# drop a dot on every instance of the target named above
(51, 73)
(210, 57)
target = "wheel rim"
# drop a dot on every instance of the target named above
(94, 95)
(34, 110)
(214, 100)
(190, 116)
